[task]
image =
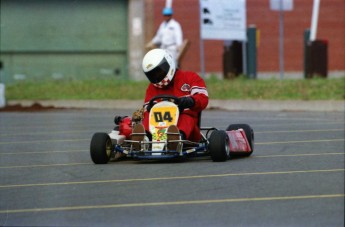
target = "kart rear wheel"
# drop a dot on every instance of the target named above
(100, 148)
(249, 134)
(219, 147)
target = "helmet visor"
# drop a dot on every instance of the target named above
(157, 74)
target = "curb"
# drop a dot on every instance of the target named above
(233, 105)
(269, 105)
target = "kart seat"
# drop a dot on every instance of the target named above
(196, 135)
(199, 119)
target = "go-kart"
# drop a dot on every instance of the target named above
(220, 145)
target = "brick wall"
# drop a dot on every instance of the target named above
(331, 27)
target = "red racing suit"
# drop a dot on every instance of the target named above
(184, 83)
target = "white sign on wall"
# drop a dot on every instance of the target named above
(223, 19)
(285, 5)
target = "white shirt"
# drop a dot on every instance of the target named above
(169, 36)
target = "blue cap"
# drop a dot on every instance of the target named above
(167, 11)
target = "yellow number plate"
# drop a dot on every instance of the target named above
(162, 116)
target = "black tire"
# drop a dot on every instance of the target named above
(249, 134)
(219, 147)
(100, 148)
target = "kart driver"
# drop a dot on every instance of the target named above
(160, 69)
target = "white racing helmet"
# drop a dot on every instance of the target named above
(159, 67)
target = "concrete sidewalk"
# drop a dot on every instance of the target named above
(234, 105)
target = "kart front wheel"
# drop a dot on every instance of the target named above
(100, 148)
(219, 146)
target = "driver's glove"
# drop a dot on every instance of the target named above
(185, 102)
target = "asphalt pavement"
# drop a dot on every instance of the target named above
(295, 176)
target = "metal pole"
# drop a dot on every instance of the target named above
(281, 39)
(244, 57)
(202, 62)
(168, 3)
(314, 19)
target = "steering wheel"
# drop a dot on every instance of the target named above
(170, 98)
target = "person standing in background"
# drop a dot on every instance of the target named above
(169, 35)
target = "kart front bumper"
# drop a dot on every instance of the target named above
(164, 155)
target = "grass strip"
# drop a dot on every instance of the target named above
(240, 88)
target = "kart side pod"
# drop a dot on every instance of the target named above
(238, 142)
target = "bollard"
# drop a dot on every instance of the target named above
(2, 88)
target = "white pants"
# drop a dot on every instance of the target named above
(2, 95)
